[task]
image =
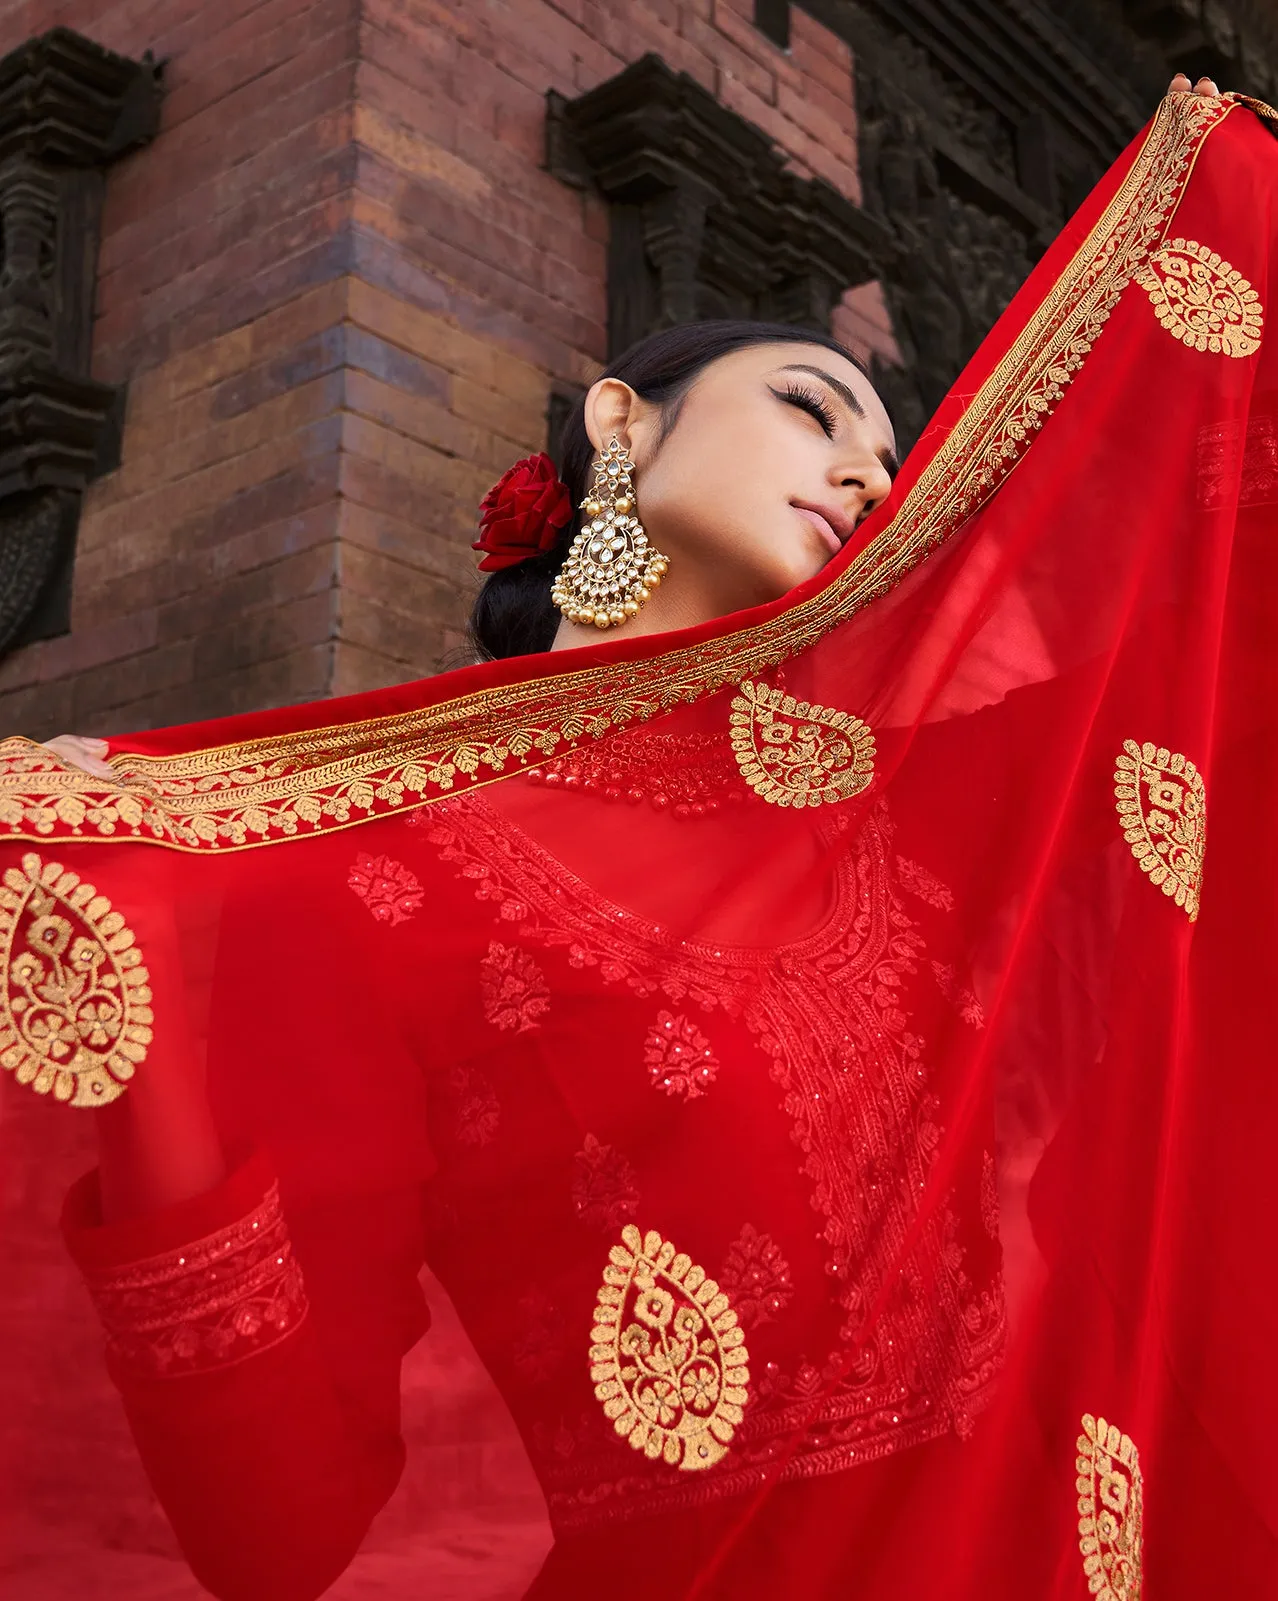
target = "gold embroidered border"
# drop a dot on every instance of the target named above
(276, 788)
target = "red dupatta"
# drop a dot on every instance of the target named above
(1023, 738)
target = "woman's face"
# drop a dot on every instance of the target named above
(777, 453)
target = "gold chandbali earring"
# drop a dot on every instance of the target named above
(611, 568)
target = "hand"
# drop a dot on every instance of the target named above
(1180, 85)
(89, 755)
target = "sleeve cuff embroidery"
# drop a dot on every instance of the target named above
(211, 1304)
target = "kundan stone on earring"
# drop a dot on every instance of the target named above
(611, 568)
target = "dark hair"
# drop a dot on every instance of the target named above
(514, 614)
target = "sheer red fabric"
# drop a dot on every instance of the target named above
(826, 1055)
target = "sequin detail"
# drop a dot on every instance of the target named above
(604, 1193)
(389, 890)
(209, 1305)
(1111, 1509)
(679, 1057)
(667, 1357)
(1238, 463)
(513, 988)
(756, 1277)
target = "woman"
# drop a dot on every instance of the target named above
(796, 1040)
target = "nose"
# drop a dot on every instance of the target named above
(864, 478)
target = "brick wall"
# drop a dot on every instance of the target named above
(340, 286)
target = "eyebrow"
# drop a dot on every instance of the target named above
(887, 456)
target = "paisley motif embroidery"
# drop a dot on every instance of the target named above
(679, 1058)
(792, 753)
(1162, 808)
(756, 1278)
(75, 1000)
(667, 1356)
(514, 989)
(604, 1195)
(1110, 1497)
(389, 890)
(1203, 301)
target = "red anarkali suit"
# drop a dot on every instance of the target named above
(820, 1054)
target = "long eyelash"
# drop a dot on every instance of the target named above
(815, 404)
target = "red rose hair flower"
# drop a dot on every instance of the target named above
(522, 514)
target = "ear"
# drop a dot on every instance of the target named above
(613, 407)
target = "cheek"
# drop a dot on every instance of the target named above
(724, 497)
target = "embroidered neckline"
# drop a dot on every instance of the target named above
(831, 927)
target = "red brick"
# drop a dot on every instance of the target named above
(398, 636)
(807, 32)
(728, 58)
(422, 420)
(434, 536)
(831, 127)
(391, 510)
(356, 670)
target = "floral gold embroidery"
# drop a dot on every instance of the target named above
(389, 890)
(1203, 301)
(514, 989)
(667, 1356)
(277, 788)
(604, 1195)
(679, 1057)
(75, 1002)
(792, 753)
(756, 1278)
(1110, 1496)
(1162, 808)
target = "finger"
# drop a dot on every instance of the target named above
(1179, 85)
(1206, 87)
(77, 750)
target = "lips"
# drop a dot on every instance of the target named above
(821, 522)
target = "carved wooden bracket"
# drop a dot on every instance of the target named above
(706, 220)
(67, 109)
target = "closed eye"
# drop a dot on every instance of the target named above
(813, 402)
